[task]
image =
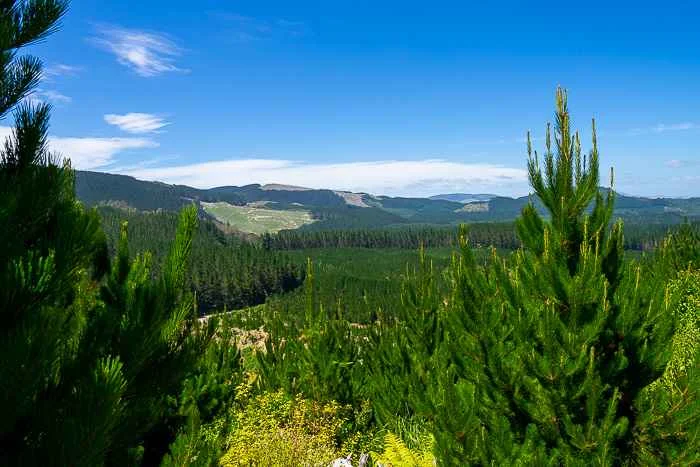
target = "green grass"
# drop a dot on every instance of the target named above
(258, 220)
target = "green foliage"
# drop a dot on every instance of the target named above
(669, 408)
(150, 324)
(226, 272)
(212, 391)
(396, 453)
(686, 341)
(321, 358)
(354, 284)
(195, 445)
(275, 429)
(502, 235)
(680, 249)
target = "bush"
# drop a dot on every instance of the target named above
(276, 429)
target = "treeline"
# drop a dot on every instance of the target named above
(226, 272)
(639, 237)
(355, 283)
(501, 234)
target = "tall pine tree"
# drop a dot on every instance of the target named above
(554, 355)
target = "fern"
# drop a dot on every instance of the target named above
(397, 454)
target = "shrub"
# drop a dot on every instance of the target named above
(276, 429)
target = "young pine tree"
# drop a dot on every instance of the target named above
(552, 357)
(89, 359)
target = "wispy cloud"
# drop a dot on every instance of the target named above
(49, 95)
(679, 164)
(243, 28)
(664, 127)
(661, 127)
(91, 153)
(391, 177)
(88, 152)
(142, 164)
(136, 123)
(146, 53)
(61, 69)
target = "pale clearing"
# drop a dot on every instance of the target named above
(257, 219)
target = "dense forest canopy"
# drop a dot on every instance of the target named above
(638, 237)
(538, 342)
(225, 271)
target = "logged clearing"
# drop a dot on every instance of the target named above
(256, 219)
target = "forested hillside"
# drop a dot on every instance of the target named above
(95, 188)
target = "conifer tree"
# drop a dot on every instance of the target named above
(551, 356)
(91, 352)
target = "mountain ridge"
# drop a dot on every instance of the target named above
(344, 209)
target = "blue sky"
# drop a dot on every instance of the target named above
(399, 98)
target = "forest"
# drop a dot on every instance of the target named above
(146, 338)
(225, 271)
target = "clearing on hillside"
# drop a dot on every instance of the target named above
(256, 219)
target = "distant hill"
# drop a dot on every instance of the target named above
(97, 188)
(330, 209)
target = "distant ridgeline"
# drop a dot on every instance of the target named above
(318, 210)
(225, 272)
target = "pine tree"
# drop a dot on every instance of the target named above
(48, 244)
(91, 352)
(550, 356)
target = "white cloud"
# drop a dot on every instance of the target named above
(248, 29)
(91, 153)
(678, 163)
(49, 95)
(135, 122)
(661, 127)
(146, 53)
(142, 164)
(61, 69)
(391, 177)
(87, 152)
